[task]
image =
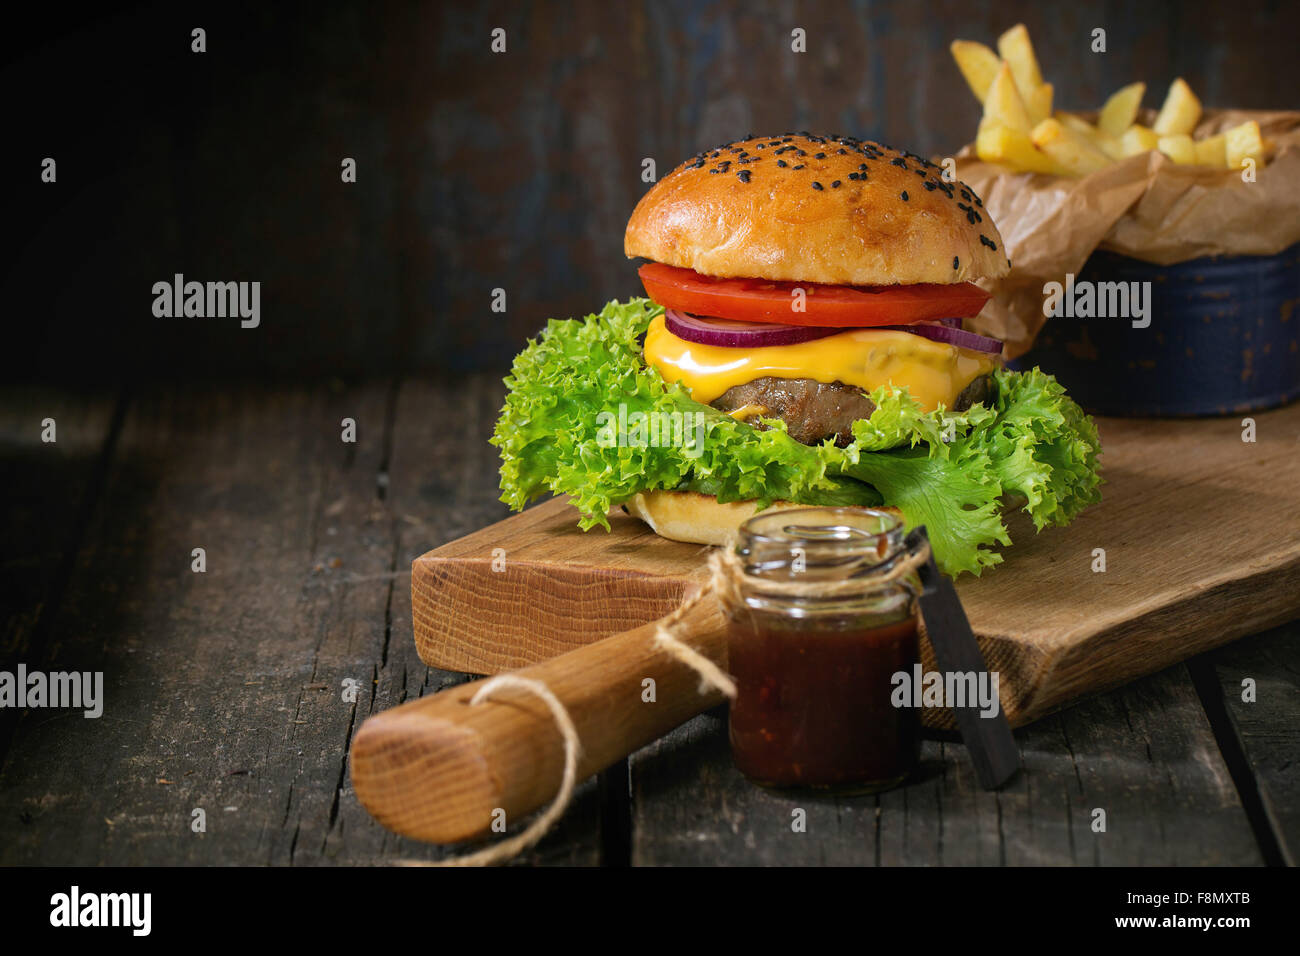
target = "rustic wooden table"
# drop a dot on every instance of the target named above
(225, 690)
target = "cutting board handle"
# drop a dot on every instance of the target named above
(441, 770)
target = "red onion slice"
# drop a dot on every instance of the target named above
(952, 336)
(728, 333)
(732, 334)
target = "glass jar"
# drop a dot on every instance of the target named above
(818, 627)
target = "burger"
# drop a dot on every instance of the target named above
(801, 342)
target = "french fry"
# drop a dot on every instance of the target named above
(978, 64)
(1243, 142)
(1003, 105)
(996, 143)
(1212, 151)
(1107, 144)
(1181, 111)
(1039, 104)
(1179, 148)
(1069, 149)
(1121, 109)
(1020, 129)
(1016, 49)
(1138, 139)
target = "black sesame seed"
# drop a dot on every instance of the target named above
(816, 185)
(862, 165)
(820, 156)
(904, 195)
(896, 161)
(743, 175)
(928, 185)
(800, 166)
(713, 170)
(955, 262)
(781, 163)
(835, 185)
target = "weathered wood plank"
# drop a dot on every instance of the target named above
(1267, 730)
(206, 675)
(50, 489)
(441, 484)
(1144, 754)
(46, 485)
(224, 688)
(480, 170)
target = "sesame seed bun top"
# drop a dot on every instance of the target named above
(828, 209)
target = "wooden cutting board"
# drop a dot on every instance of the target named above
(1201, 534)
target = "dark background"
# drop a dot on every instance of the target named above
(475, 170)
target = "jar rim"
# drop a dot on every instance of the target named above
(847, 530)
(819, 543)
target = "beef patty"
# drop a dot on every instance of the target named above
(814, 411)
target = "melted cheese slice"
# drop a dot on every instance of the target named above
(932, 372)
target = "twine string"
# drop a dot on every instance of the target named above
(721, 582)
(512, 847)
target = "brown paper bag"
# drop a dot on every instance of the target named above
(1146, 207)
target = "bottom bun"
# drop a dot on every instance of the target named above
(691, 516)
(702, 519)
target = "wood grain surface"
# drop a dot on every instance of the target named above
(1257, 738)
(224, 690)
(308, 543)
(1144, 755)
(477, 170)
(1200, 533)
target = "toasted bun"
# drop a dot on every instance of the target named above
(733, 211)
(699, 519)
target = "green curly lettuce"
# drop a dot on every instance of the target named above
(585, 417)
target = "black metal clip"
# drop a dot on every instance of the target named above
(992, 747)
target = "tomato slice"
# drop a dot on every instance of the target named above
(838, 306)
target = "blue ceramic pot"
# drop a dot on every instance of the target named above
(1223, 338)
